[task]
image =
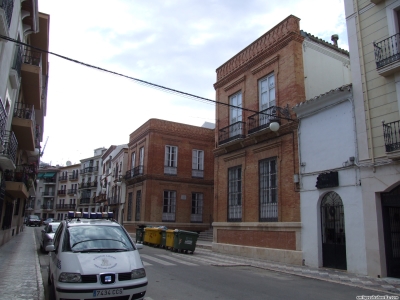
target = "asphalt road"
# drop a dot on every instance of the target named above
(176, 276)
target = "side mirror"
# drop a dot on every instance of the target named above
(138, 246)
(49, 248)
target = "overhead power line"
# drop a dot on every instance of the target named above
(140, 81)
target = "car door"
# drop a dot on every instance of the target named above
(44, 231)
(57, 250)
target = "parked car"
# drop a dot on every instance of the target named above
(48, 234)
(95, 258)
(47, 221)
(34, 220)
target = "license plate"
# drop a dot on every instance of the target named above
(108, 292)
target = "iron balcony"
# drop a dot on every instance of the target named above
(66, 206)
(391, 135)
(7, 6)
(232, 132)
(137, 171)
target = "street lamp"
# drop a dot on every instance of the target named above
(274, 126)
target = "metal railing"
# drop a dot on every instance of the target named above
(10, 146)
(231, 132)
(3, 121)
(25, 111)
(7, 6)
(47, 206)
(387, 51)
(20, 174)
(73, 177)
(61, 192)
(134, 172)
(264, 118)
(72, 191)
(63, 178)
(32, 57)
(66, 206)
(48, 193)
(391, 135)
(89, 170)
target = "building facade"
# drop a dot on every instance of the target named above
(23, 98)
(373, 32)
(256, 199)
(67, 190)
(169, 177)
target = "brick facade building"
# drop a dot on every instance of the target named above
(256, 198)
(170, 176)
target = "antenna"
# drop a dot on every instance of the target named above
(41, 154)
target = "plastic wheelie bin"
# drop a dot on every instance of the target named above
(184, 241)
(167, 239)
(152, 236)
(140, 234)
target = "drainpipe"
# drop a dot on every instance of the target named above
(365, 87)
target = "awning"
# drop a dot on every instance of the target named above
(49, 175)
(40, 175)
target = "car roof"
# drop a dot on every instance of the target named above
(85, 222)
(54, 223)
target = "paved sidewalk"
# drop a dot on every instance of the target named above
(20, 269)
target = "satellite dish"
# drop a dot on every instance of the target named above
(68, 163)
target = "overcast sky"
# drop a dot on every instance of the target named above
(173, 43)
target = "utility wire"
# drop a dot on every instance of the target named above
(140, 81)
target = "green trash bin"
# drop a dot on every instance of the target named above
(184, 241)
(139, 234)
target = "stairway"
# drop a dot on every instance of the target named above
(206, 236)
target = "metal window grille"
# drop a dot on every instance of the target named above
(235, 194)
(268, 190)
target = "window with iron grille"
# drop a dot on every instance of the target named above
(197, 207)
(129, 212)
(268, 190)
(169, 206)
(138, 204)
(235, 194)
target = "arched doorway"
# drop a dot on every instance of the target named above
(333, 232)
(391, 229)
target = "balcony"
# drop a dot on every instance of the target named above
(84, 201)
(391, 135)
(72, 191)
(73, 177)
(48, 194)
(263, 119)
(49, 180)
(66, 206)
(47, 206)
(31, 73)
(89, 170)
(387, 55)
(17, 183)
(6, 10)
(134, 172)
(61, 192)
(63, 178)
(23, 125)
(9, 153)
(231, 132)
(100, 198)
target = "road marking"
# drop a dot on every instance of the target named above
(165, 263)
(176, 260)
(146, 263)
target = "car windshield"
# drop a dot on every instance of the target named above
(97, 238)
(53, 228)
(34, 217)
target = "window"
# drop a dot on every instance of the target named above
(169, 206)
(266, 88)
(268, 190)
(133, 160)
(197, 208)
(16, 211)
(129, 213)
(171, 160)
(138, 205)
(235, 193)
(141, 156)
(197, 163)
(235, 118)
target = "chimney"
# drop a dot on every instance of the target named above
(334, 39)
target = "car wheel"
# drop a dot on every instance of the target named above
(48, 276)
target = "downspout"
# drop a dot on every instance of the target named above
(364, 87)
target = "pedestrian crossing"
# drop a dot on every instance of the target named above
(192, 260)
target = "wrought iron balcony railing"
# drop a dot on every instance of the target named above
(391, 135)
(89, 170)
(263, 119)
(10, 146)
(231, 132)
(63, 178)
(387, 51)
(61, 192)
(32, 57)
(48, 193)
(72, 191)
(47, 206)
(73, 177)
(7, 6)
(3, 121)
(18, 175)
(137, 171)
(66, 206)
(25, 111)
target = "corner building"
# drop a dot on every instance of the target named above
(170, 175)
(256, 198)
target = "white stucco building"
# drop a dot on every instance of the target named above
(333, 231)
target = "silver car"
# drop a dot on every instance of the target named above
(48, 234)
